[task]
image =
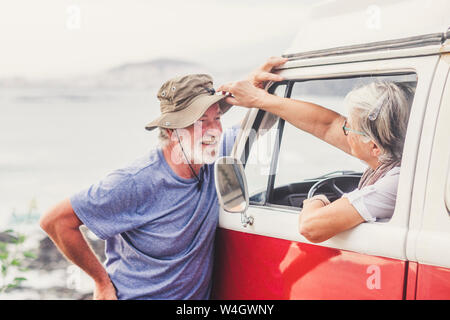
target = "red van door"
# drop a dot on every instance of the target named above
(250, 266)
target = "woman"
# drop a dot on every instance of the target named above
(374, 132)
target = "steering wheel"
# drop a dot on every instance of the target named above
(332, 183)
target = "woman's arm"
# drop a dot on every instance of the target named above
(319, 222)
(321, 122)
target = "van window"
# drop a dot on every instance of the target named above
(304, 159)
(262, 143)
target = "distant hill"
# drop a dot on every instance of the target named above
(153, 73)
(160, 64)
(147, 74)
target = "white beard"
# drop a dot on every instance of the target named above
(210, 154)
(200, 153)
(204, 151)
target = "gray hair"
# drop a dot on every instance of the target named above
(163, 137)
(381, 111)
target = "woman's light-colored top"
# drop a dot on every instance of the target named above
(377, 201)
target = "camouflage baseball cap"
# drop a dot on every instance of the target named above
(184, 100)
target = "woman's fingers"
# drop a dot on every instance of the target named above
(272, 63)
(225, 87)
(264, 73)
(231, 100)
(243, 93)
(268, 76)
(228, 89)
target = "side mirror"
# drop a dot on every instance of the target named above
(231, 185)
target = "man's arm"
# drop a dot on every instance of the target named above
(62, 225)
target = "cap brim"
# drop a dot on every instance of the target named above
(186, 117)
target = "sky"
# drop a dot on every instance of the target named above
(57, 38)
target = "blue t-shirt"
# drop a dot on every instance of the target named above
(159, 228)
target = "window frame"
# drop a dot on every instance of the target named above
(249, 142)
(269, 191)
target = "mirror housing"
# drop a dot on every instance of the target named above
(231, 185)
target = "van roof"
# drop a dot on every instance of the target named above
(337, 27)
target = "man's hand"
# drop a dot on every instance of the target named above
(105, 291)
(264, 73)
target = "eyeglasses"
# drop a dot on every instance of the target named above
(347, 130)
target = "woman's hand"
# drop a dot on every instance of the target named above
(264, 73)
(250, 93)
(318, 199)
(244, 94)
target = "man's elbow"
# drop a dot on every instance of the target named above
(60, 218)
(47, 221)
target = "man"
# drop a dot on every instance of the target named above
(158, 215)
